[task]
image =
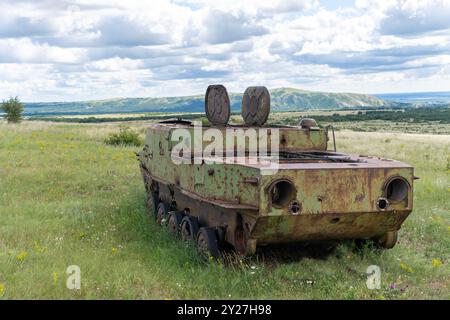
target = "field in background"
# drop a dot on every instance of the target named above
(412, 120)
(68, 199)
(420, 120)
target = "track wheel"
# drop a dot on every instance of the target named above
(152, 204)
(207, 243)
(189, 228)
(387, 240)
(162, 213)
(174, 222)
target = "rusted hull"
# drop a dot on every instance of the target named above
(311, 227)
(314, 194)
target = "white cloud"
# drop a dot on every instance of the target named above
(26, 51)
(115, 64)
(60, 50)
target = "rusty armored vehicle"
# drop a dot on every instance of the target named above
(314, 194)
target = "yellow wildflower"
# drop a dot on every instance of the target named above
(2, 289)
(114, 250)
(406, 268)
(38, 248)
(436, 262)
(21, 256)
(55, 277)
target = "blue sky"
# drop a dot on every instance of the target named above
(333, 5)
(99, 49)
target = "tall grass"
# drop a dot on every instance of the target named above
(66, 198)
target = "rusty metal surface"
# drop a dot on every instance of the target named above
(363, 163)
(217, 105)
(336, 196)
(351, 225)
(229, 205)
(290, 138)
(322, 191)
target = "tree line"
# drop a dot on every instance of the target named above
(412, 115)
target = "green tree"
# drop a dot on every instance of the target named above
(13, 109)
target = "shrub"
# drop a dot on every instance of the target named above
(13, 109)
(205, 122)
(125, 137)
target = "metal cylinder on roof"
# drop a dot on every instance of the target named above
(217, 105)
(255, 106)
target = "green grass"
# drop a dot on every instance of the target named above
(66, 198)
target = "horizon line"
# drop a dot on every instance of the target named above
(235, 93)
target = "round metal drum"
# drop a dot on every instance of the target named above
(256, 106)
(217, 105)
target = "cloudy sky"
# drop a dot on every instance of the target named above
(94, 49)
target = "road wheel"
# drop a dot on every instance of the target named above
(152, 204)
(162, 213)
(174, 222)
(207, 243)
(387, 240)
(189, 228)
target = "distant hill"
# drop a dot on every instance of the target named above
(283, 99)
(287, 99)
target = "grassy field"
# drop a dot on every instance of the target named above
(68, 199)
